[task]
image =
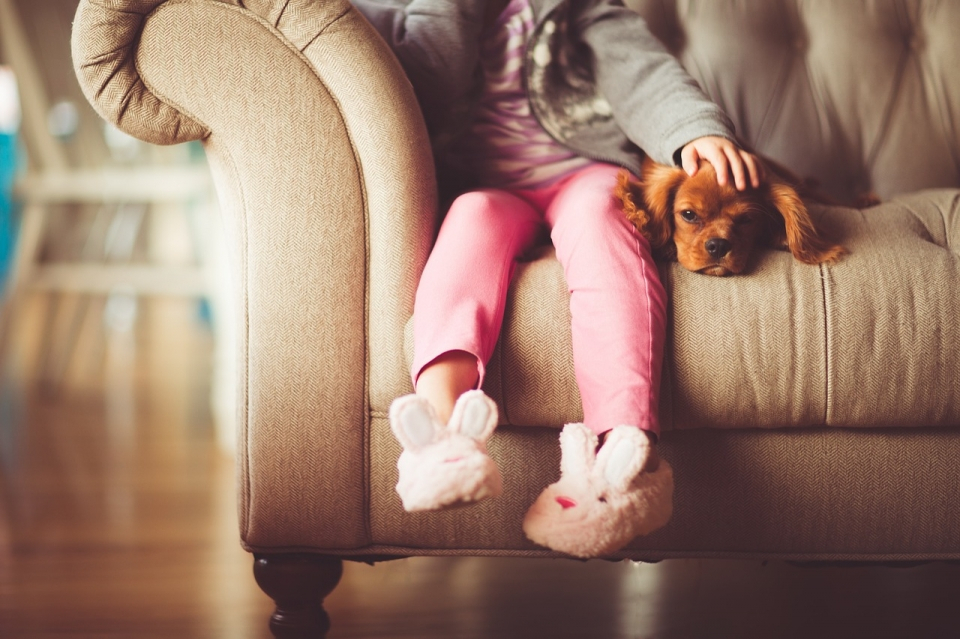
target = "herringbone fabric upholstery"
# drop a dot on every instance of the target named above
(326, 183)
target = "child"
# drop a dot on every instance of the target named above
(533, 107)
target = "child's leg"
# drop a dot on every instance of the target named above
(462, 292)
(617, 303)
(606, 497)
(457, 317)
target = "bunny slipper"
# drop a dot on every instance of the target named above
(603, 499)
(443, 466)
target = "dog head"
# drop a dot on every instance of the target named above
(717, 230)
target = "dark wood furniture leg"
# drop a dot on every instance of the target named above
(298, 583)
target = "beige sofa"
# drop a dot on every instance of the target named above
(807, 410)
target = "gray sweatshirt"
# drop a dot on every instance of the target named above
(598, 80)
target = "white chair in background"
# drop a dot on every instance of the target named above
(123, 194)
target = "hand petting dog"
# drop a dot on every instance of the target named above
(724, 156)
(696, 216)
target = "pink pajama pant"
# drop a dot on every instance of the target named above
(617, 302)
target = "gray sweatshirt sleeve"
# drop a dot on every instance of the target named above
(436, 41)
(655, 102)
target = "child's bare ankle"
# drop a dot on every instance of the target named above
(653, 460)
(445, 379)
(442, 405)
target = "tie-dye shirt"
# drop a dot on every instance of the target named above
(506, 147)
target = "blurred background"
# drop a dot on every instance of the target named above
(93, 219)
(117, 505)
(117, 498)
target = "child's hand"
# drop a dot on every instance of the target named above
(725, 156)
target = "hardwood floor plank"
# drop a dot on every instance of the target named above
(117, 510)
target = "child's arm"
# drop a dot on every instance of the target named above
(655, 101)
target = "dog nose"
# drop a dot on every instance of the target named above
(717, 247)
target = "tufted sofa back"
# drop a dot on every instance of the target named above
(863, 95)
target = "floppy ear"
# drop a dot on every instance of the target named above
(795, 230)
(660, 183)
(629, 194)
(623, 456)
(659, 230)
(578, 450)
(474, 415)
(414, 423)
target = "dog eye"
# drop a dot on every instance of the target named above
(741, 221)
(688, 216)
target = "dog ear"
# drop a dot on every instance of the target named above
(660, 183)
(794, 228)
(629, 194)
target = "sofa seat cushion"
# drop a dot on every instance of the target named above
(871, 341)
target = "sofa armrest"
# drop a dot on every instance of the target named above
(323, 169)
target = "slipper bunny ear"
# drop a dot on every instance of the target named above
(474, 415)
(578, 450)
(414, 422)
(623, 456)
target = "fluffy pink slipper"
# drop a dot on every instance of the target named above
(447, 466)
(603, 499)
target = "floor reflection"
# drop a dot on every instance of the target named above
(476, 598)
(117, 508)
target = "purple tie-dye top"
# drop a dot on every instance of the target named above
(506, 147)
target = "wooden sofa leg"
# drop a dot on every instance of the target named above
(298, 583)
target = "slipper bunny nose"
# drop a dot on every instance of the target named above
(566, 502)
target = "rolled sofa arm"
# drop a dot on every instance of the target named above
(325, 179)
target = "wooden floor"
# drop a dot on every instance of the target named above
(117, 519)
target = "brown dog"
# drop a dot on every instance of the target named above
(716, 230)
